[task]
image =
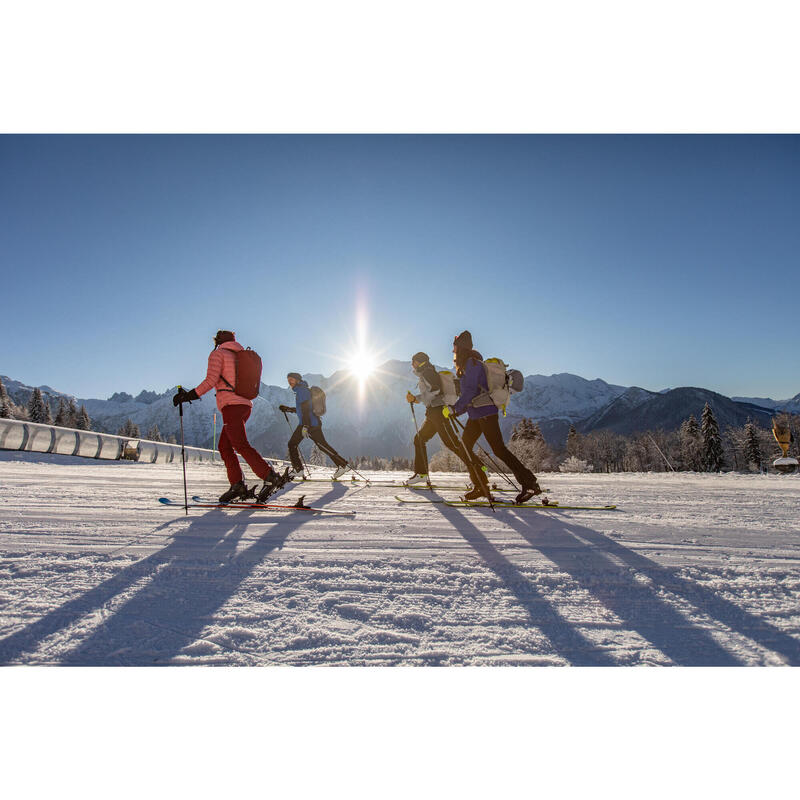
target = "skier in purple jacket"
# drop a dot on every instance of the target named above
(476, 401)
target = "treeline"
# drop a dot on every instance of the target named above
(694, 447)
(65, 414)
(48, 411)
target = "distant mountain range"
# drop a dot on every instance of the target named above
(375, 419)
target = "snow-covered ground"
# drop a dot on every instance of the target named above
(691, 570)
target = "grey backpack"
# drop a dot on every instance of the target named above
(317, 401)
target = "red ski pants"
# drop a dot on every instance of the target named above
(233, 439)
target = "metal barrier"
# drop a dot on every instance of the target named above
(33, 437)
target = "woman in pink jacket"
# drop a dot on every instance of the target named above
(235, 410)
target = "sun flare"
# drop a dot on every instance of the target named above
(362, 365)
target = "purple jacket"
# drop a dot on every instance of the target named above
(473, 383)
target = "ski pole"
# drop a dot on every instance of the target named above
(424, 449)
(493, 462)
(183, 462)
(306, 470)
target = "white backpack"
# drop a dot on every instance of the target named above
(502, 382)
(449, 388)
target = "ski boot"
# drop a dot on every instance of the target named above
(340, 471)
(272, 484)
(417, 478)
(528, 492)
(238, 491)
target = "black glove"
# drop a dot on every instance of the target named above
(182, 396)
(287, 409)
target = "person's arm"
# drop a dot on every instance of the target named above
(212, 374)
(433, 378)
(469, 386)
(304, 405)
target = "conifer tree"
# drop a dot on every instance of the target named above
(691, 444)
(154, 434)
(82, 422)
(752, 446)
(5, 403)
(62, 415)
(72, 414)
(129, 429)
(712, 443)
(37, 411)
(574, 445)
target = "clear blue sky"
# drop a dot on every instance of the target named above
(656, 261)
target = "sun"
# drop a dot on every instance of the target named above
(361, 365)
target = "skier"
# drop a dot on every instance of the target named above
(476, 401)
(310, 426)
(221, 375)
(432, 397)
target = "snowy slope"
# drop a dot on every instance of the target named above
(694, 569)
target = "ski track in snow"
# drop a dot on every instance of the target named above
(692, 570)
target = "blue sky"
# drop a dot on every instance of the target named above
(656, 261)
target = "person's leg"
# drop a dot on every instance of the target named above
(316, 436)
(490, 426)
(426, 433)
(294, 453)
(235, 417)
(232, 466)
(472, 431)
(450, 440)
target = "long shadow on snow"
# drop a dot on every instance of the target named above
(587, 554)
(567, 641)
(175, 608)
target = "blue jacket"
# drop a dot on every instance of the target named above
(473, 383)
(304, 412)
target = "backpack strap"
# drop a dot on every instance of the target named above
(232, 389)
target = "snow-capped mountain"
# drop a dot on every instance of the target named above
(792, 405)
(375, 419)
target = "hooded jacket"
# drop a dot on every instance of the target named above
(222, 364)
(430, 386)
(303, 406)
(473, 385)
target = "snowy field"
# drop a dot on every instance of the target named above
(691, 570)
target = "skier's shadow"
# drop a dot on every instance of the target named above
(567, 641)
(593, 561)
(187, 581)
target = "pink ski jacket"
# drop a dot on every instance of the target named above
(222, 363)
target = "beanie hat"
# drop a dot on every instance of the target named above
(420, 358)
(463, 341)
(296, 375)
(224, 336)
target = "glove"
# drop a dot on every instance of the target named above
(446, 412)
(305, 432)
(287, 409)
(410, 397)
(182, 396)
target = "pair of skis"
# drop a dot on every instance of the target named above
(199, 502)
(503, 504)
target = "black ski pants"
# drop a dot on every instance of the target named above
(316, 436)
(490, 428)
(436, 422)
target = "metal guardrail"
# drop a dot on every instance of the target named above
(33, 437)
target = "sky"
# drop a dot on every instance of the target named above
(654, 261)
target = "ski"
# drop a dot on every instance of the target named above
(422, 486)
(502, 504)
(299, 506)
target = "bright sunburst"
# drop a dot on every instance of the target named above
(362, 364)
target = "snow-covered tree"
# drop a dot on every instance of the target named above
(62, 415)
(712, 457)
(129, 429)
(37, 408)
(5, 403)
(317, 457)
(82, 422)
(573, 464)
(574, 443)
(72, 413)
(752, 447)
(154, 434)
(691, 445)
